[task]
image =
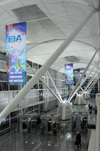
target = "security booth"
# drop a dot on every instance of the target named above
(50, 123)
(26, 121)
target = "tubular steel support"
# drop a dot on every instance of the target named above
(45, 84)
(91, 80)
(77, 85)
(88, 75)
(54, 86)
(9, 108)
(94, 82)
(85, 79)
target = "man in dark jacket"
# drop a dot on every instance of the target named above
(78, 140)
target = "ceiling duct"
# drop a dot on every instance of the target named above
(72, 59)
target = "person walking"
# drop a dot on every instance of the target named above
(78, 140)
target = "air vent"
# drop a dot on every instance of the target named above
(72, 59)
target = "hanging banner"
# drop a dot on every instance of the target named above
(69, 74)
(76, 75)
(83, 77)
(16, 53)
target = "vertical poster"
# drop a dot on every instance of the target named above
(83, 77)
(76, 75)
(16, 53)
(69, 74)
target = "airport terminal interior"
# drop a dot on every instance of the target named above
(49, 75)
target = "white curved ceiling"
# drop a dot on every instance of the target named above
(49, 23)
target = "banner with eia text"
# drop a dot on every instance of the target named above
(16, 53)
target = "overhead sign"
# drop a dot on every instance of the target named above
(16, 53)
(76, 75)
(69, 74)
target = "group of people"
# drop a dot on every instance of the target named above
(91, 108)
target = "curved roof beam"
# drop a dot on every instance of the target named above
(47, 41)
(76, 63)
(44, 68)
(86, 44)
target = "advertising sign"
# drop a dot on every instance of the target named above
(76, 75)
(16, 53)
(83, 77)
(69, 74)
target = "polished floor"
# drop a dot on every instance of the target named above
(35, 141)
(64, 140)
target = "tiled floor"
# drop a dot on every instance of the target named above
(36, 141)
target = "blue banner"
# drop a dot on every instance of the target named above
(16, 53)
(76, 75)
(69, 74)
(82, 78)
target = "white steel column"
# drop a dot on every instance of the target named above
(54, 86)
(94, 82)
(91, 80)
(44, 83)
(97, 5)
(43, 69)
(87, 77)
(97, 140)
(82, 82)
(77, 85)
